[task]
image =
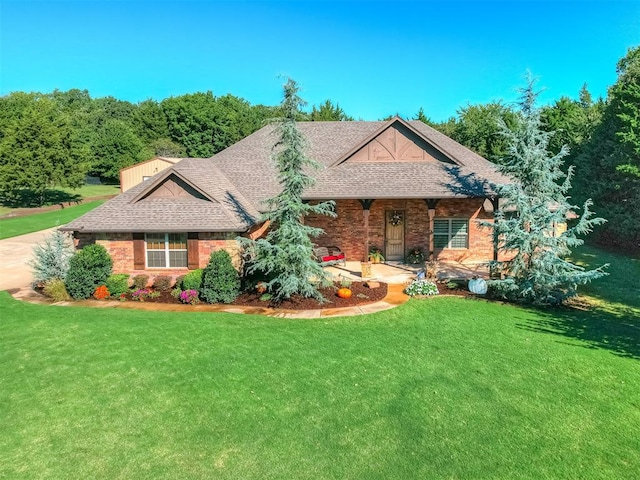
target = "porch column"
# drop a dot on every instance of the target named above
(366, 205)
(431, 205)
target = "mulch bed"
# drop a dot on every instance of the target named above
(361, 295)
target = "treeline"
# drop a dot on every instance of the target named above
(603, 139)
(56, 139)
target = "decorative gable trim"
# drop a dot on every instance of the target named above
(172, 187)
(392, 142)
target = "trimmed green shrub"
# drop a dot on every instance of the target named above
(88, 269)
(220, 281)
(192, 280)
(162, 283)
(51, 258)
(140, 282)
(118, 284)
(56, 290)
(178, 283)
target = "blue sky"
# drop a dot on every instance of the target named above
(374, 58)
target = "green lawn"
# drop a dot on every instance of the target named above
(61, 195)
(437, 388)
(11, 227)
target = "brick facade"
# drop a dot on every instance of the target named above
(347, 230)
(120, 247)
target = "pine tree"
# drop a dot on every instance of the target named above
(610, 160)
(539, 272)
(284, 256)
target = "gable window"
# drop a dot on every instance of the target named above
(451, 233)
(166, 250)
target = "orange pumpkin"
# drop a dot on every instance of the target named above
(344, 293)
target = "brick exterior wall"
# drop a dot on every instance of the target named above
(347, 230)
(120, 247)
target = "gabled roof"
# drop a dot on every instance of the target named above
(171, 160)
(222, 207)
(233, 184)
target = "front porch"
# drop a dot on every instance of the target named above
(401, 273)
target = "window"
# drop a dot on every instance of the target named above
(451, 233)
(166, 250)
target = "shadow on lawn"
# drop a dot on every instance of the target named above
(615, 329)
(26, 198)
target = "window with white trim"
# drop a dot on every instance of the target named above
(166, 250)
(451, 233)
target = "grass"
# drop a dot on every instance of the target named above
(60, 195)
(437, 388)
(11, 227)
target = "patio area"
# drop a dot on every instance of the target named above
(401, 273)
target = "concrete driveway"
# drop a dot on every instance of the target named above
(15, 252)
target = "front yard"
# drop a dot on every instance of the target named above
(437, 388)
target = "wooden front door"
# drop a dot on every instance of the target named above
(394, 235)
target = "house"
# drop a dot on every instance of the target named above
(396, 184)
(133, 175)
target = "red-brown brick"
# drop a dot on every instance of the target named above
(347, 229)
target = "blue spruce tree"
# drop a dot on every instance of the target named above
(285, 255)
(536, 201)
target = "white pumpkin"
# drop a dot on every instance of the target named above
(478, 286)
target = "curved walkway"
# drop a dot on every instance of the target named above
(394, 297)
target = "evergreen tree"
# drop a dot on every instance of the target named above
(539, 272)
(284, 256)
(610, 161)
(220, 280)
(39, 150)
(329, 112)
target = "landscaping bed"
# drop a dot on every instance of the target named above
(361, 295)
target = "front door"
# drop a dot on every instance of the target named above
(394, 235)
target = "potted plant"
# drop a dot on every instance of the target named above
(375, 255)
(415, 256)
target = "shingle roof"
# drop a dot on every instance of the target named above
(237, 180)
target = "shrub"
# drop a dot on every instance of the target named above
(162, 283)
(192, 280)
(56, 290)
(140, 281)
(140, 294)
(179, 280)
(51, 258)
(175, 293)
(88, 268)
(101, 293)
(190, 297)
(415, 256)
(220, 281)
(118, 284)
(421, 287)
